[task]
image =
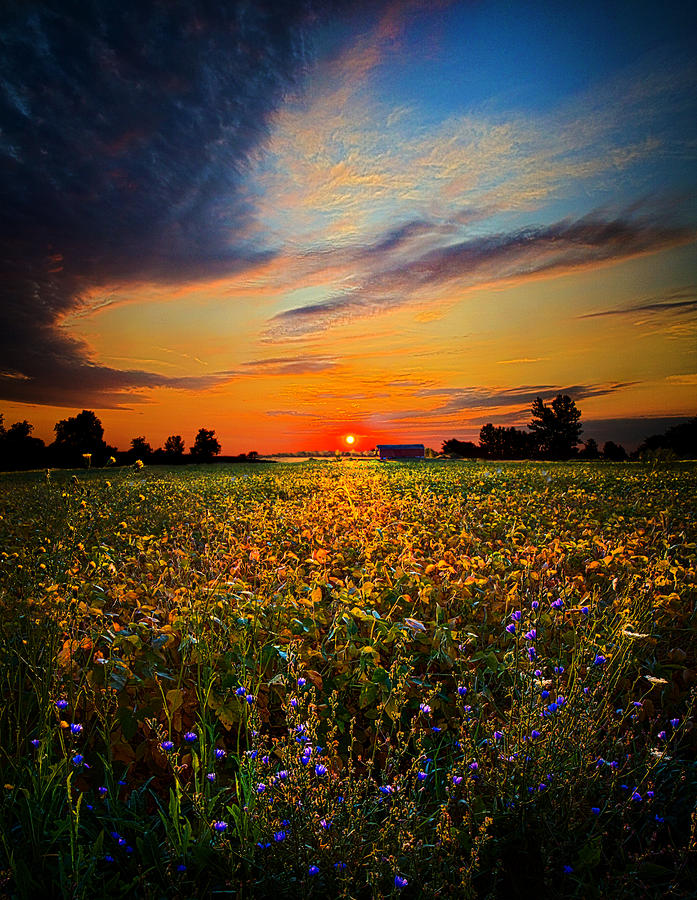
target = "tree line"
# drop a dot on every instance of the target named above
(554, 432)
(79, 441)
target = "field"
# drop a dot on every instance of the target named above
(348, 679)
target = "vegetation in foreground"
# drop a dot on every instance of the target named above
(344, 679)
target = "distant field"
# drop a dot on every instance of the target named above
(350, 679)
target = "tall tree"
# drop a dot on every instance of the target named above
(557, 427)
(140, 449)
(206, 446)
(76, 436)
(174, 448)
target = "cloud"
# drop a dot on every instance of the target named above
(477, 400)
(289, 365)
(495, 259)
(681, 301)
(126, 131)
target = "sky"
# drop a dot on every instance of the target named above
(291, 221)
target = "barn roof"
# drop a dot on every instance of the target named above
(400, 446)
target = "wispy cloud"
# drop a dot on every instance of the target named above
(508, 257)
(479, 400)
(681, 301)
(289, 365)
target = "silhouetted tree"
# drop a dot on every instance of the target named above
(77, 436)
(556, 428)
(174, 449)
(614, 452)
(206, 446)
(500, 442)
(18, 449)
(589, 450)
(140, 449)
(680, 439)
(465, 449)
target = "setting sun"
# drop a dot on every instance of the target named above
(350, 439)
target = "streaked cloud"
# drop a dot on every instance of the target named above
(501, 258)
(681, 301)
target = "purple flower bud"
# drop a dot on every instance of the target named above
(425, 708)
(77, 759)
(510, 628)
(211, 776)
(457, 779)
(558, 603)
(220, 754)
(240, 691)
(313, 870)
(320, 770)
(535, 604)
(400, 882)
(280, 836)
(61, 704)
(76, 728)
(675, 722)
(662, 735)
(167, 745)
(585, 610)
(498, 735)
(302, 682)
(534, 734)
(595, 810)
(422, 776)
(462, 690)
(220, 826)
(294, 703)
(190, 737)
(250, 699)
(261, 787)
(35, 742)
(599, 660)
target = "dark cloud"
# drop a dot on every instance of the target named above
(683, 300)
(530, 252)
(125, 130)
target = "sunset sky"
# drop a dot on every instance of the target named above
(288, 222)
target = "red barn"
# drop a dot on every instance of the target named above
(400, 451)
